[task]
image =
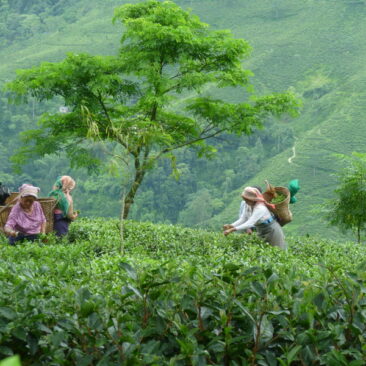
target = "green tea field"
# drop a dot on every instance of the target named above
(168, 295)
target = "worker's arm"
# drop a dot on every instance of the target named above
(10, 231)
(43, 227)
(11, 224)
(256, 215)
(70, 213)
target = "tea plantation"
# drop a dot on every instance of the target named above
(175, 296)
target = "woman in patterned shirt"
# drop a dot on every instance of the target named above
(26, 220)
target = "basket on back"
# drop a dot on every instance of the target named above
(5, 210)
(282, 209)
(12, 198)
(48, 206)
(4, 213)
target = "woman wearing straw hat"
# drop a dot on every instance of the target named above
(64, 211)
(26, 219)
(267, 227)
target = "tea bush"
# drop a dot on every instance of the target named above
(175, 296)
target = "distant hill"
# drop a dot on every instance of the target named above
(315, 48)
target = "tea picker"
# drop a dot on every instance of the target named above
(261, 217)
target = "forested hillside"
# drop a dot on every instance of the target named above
(318, 52)
(310, 47)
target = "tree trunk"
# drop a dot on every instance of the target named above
(129, 198)
(359, 234)
(121, 223)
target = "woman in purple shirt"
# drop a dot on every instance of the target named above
(26, 219)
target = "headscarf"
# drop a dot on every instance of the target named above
(68, 184)
(253, 194)
(293, 187)
(28, 190)
(62, 185)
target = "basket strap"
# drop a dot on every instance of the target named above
(55, 204)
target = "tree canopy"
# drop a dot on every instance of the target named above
(348, 209)
(155, 96)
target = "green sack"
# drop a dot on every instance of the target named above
(293, 187)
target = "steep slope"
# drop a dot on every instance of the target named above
(314, 164)
(315, 48)
(92, 31)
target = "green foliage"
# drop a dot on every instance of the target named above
(332, 90)
(179, 296)
(348, 210)
(130, 99)
(199, 208)
(11, 361)
(279, 198)
(20, 20)
(319, 57)
(317, 84)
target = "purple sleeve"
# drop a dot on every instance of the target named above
(12, 218)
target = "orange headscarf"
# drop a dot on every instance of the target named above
(253, 194)
(61, 191)
(68, 184)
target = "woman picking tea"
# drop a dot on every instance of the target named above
(64, 212)
(267, 227)
(26, 220)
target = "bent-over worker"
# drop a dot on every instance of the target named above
(26, 219)
(267, 227)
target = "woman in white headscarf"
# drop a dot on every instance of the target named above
(26, 219)
(261, 217)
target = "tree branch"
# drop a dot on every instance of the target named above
(104, 107)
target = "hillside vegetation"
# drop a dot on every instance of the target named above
(315, 48)
(312, 47)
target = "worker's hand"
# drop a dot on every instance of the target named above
(227, 226)
(229, 231)
(74, 215)
(13, 233)
(249, 231)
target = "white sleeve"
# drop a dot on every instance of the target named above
(258, 212)
(243, 217)
(242, 208)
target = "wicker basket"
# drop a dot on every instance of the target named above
(281, 210)
(4, 213)
(48, 205)
(12, 198)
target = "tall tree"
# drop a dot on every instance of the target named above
(348, 209)
(150, 99)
